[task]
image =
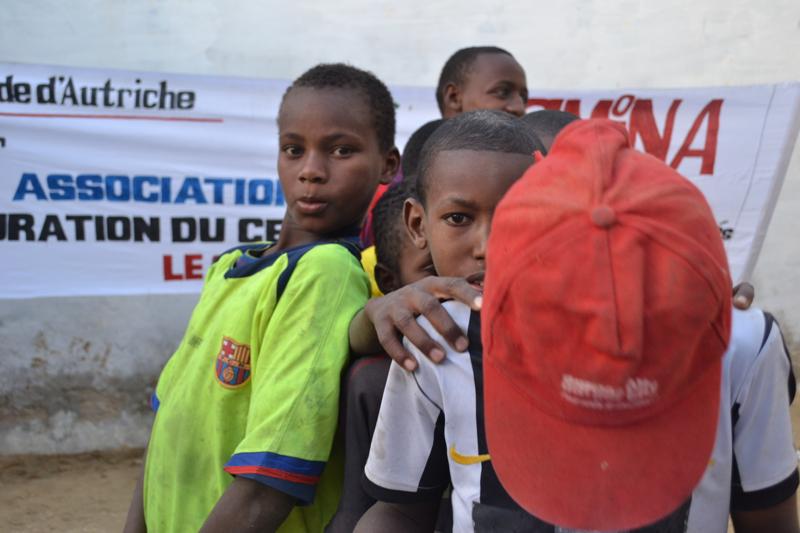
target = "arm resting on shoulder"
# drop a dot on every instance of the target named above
(394, 316)
(780, 518)
(248, 505)
(386, 517)
(363, 339)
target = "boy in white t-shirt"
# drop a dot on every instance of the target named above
(767, 476)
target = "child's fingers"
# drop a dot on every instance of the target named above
(431, 308)
(409, 328)
(743, 295)
(454, 289)
(394, 348)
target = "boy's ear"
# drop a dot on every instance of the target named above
(386, 279)
(451, 98)
(390, 166)
(414, 219)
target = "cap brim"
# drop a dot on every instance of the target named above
(599, 477)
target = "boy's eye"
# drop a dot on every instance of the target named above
(343, 151)
(456, 219)
(502, 92)
(292, 150)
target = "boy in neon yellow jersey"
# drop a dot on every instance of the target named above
(247, 406)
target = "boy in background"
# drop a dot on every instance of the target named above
(399, 263)
(408, 163)
(482, 77)
(247, 406)
(477, 77)
(546, 123)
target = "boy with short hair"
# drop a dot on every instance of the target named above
(434, 391)
(613, 384)
(247, 406)
(647, 259)
(482, 77)
(399, 263)
(466, 167)
(411, 151)
(546, 123)
(477, 77)
(409, 162)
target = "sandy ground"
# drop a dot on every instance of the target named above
(86, 493)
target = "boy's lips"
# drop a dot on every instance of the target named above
(311, 206)
(476, 280)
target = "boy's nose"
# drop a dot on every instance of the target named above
(313, 169)
(515, 106)
(481, 240)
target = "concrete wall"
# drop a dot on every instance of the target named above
(75, 372)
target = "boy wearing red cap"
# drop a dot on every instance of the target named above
(628, 395)
(614, 422)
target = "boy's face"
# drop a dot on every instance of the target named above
(413, 264)
(495, 81)
(463, 189)
(330, 162)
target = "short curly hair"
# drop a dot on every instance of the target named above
(377, 96)
(456, 69)
(481, 131)
(387, 223)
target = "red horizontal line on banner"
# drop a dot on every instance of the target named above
(112, 117)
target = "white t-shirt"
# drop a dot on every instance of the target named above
(406, 456)
(754, 436)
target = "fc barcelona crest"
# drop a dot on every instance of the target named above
(233, 363)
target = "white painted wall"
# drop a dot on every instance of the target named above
(73, 371)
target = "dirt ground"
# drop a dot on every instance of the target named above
(86, 493)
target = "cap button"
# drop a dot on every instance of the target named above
(603, 216)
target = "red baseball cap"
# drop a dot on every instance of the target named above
(607, 310)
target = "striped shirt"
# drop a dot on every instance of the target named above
(753, 465)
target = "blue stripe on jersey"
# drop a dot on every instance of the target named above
(280, 462)
(243, 269)
(304, 493)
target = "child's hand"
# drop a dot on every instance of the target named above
(743, 295)
(394, 316)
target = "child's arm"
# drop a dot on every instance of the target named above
(407, 470)
(248, 505)
(780, 518)
(386, 320)
(135, 523)
(399, 518)
(763, 496)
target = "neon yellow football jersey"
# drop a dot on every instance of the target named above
(253, 388)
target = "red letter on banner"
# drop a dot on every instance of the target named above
(169, 275)
(193, 267)
(643, 124)
(709, 151)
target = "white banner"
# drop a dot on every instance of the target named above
(118, 182)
